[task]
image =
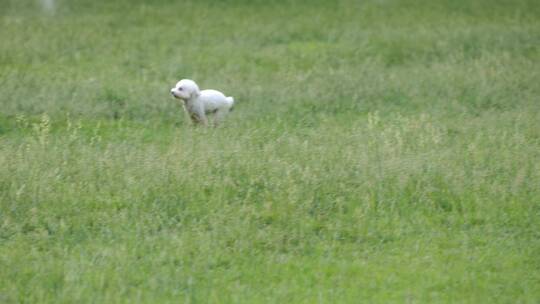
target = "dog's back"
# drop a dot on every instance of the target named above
(214, 100)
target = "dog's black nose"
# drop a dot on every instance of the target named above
(172, 93)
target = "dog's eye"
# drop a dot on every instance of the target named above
(180, 88)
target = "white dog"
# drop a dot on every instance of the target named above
(198, 104)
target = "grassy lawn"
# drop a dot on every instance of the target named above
(380, 151)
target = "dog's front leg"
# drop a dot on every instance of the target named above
(199, 118)
(204, 121)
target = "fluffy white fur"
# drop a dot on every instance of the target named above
(198, 104)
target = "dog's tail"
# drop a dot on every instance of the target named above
(230, 100)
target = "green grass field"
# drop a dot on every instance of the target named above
(380, 151)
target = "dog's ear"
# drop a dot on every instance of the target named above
(195, 91)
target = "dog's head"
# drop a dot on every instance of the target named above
(185, 89)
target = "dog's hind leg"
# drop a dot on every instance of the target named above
(220, 115)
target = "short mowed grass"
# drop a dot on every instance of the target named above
(379, 152)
